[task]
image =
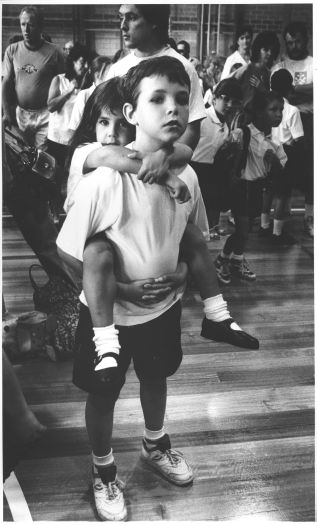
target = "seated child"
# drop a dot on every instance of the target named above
(264, 158)
(290, 134)
(103, 122)
(213, 133)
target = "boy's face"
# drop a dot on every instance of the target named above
(136, 31)
(161, 113)
(112, 128)
(273, 113)
(224, 104)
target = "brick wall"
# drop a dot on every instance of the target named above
(100, 28)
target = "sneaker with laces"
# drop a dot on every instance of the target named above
(223, 269)
(170, 463)
(108, 494)
(241, 269)
(309, 225)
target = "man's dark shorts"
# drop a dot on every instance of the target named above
(155, 348)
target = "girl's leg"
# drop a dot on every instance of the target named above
(153, 401)
(265, 215)
(99, 424)
(238, 244)
(218, 323)
(99, 286)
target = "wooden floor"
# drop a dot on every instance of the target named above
(244, 419)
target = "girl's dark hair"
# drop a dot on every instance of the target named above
(241, 30)
(107, 95)
(158, 15)
(75, 53)
(97, 64)
(262, 99)
(230, 87)
(265, 40)
(281, 82)
(163, 66)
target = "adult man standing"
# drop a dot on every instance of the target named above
(145, 31)
(28, 69)
(300, 64)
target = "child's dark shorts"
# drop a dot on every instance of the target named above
(155, 348)
(246, 198)
(208, 183)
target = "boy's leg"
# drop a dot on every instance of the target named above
(279, 236)
(108, 489)
(265, 229)
(99, 286)
(218, 324)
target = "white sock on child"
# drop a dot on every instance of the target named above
(103, 461)
(215, 308)
(278, 226)
(265, 221)
(106, 340)
(153, 435)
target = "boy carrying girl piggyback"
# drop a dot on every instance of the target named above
(145, 228)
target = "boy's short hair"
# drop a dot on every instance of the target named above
(296, 27)
(281, 81)
(262, 99)
(158, 15)
(230, 87)
(265, 40)
(163, 66)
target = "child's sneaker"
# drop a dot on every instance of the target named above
(108, 494)
(170, 463)
(241, 269)
(223, 269)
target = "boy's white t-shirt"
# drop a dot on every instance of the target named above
(257, 166)
(291, 127)
(196, 103)
(79, 106)
(213, 134)
(143, 223)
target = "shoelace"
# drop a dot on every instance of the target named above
(173, 456)
(245, 268)
(111, 488)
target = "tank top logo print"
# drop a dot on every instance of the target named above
(300, 78)
(29, 69)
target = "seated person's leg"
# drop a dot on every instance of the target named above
(99, 286)
(218, 325)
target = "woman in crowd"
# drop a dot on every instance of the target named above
(241, 55)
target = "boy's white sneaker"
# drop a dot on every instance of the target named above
(170, 463)
(108, 494)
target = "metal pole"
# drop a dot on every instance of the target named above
(208, 30)
(201, 33)
(218, 28)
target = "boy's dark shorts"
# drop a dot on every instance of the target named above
(246, 198)
(208, 183)
(155, 348)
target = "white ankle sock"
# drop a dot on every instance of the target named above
(309, 210)
(278, 226)
(236, 257)
(106, 340)
(153, 435)
(215, 308)
(102, 461)
(265, 221)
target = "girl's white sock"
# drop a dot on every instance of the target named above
(103, 461)
(153, 435)
(309, 210)
(265, 221)
(215, 308)
(106, 340)
(278, 226)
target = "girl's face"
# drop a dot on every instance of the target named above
(79, 66)
(244, 42)
(266, 57)
(273, 113)
(112, 128)
(223, 104)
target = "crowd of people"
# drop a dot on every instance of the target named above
(152, 146)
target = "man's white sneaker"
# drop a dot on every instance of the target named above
(108, 493)
(170, 463)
